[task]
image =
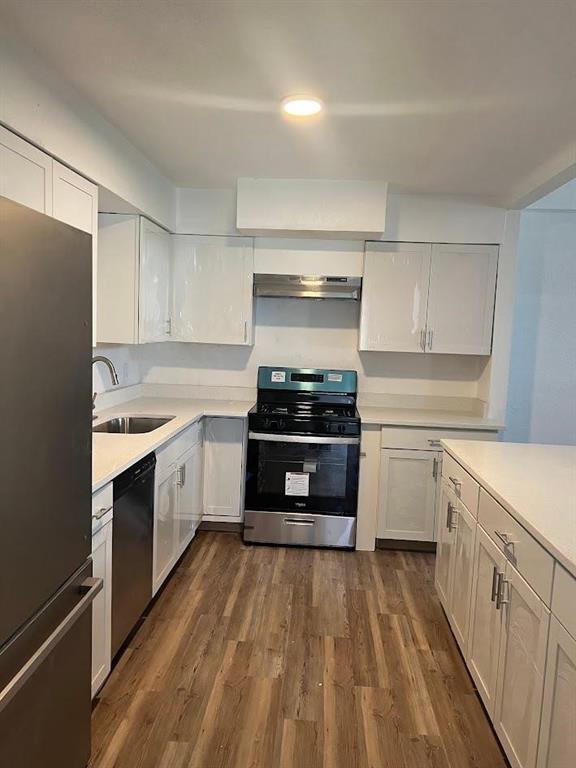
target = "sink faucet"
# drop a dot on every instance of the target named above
(113, 375)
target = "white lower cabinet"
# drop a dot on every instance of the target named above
(165, 526)
(445, 544)
(455, 561)
(557, 746)
(407, 506)
(102, 606)
(522, 657)
(224, 461)
(189, 507)
(485, 624)
(179, 503)
(462, 571)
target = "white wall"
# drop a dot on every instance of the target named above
(542, 391)
(125, 359)
(35, 103)
(308, 333)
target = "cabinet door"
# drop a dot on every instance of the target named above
(212, 289)
(190, 472)
(394, 296)
(520, 669)
(485, 619)
(155, 283)
(75, 202)
(224, 468)
(165, 527)
(557, 745)
(25, 173)
(102, 607)
(446, 533)
(407, 495)
(461, 299)
(462, 571)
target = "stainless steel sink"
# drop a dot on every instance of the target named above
(132, 425)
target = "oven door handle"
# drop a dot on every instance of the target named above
(310, 439)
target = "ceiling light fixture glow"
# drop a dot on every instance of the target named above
(302, 106)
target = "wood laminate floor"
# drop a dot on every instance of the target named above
(269, 657)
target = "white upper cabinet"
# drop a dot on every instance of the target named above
(75, 202)
(394, 296)
(134, 280)
(25, 173)
(428, 298)
(212, 289)
(154, 283)
(461, 299)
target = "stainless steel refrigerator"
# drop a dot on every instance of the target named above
(46, 584)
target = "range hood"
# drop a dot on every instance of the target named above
(307, 286)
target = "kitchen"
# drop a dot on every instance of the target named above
(328, 439)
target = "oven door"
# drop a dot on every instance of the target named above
(302, 473)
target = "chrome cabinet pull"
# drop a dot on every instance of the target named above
(101, 512)
(500, 599)
(430, 339)
(449, 515)
(457, 485)
(168, 331)
(505, 538)
(435, 468)
(423, 339)
(434, 443)
(494, 583)
(453, 520)
(181, 476)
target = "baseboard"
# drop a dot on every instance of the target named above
(406, 544)
(208, 525)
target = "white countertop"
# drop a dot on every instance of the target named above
(112, 454)
(536, 484)
(422, 417)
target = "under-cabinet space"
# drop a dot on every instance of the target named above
(224, 467)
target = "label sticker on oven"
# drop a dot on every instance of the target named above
(297, 484)
(278, 376)
(334, 377)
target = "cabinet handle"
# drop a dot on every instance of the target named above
(505, 538)
(423, 340)
(495, 575)
(181, 476)
(168, 331)
(500, 599)
(435, 469)
(453, 519)
(101, 512)
(430, 339)
(457, 485)
(434, 443)
(449, 515)
(245, 330)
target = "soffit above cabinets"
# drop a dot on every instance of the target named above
(324, 207)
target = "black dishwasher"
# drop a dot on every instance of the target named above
(132, 536)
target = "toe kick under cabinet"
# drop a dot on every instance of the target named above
(410, 470)
(511, 609)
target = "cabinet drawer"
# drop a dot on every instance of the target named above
(420, 439)
(102, 502)
(464, 485)
(523, 551)
(564, 598)
(171, 451)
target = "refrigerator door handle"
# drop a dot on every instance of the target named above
(88, 589)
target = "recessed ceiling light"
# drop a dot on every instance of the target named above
(302, 106)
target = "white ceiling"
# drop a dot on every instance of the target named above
(452, 97)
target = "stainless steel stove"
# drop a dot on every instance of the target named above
(303, 458)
